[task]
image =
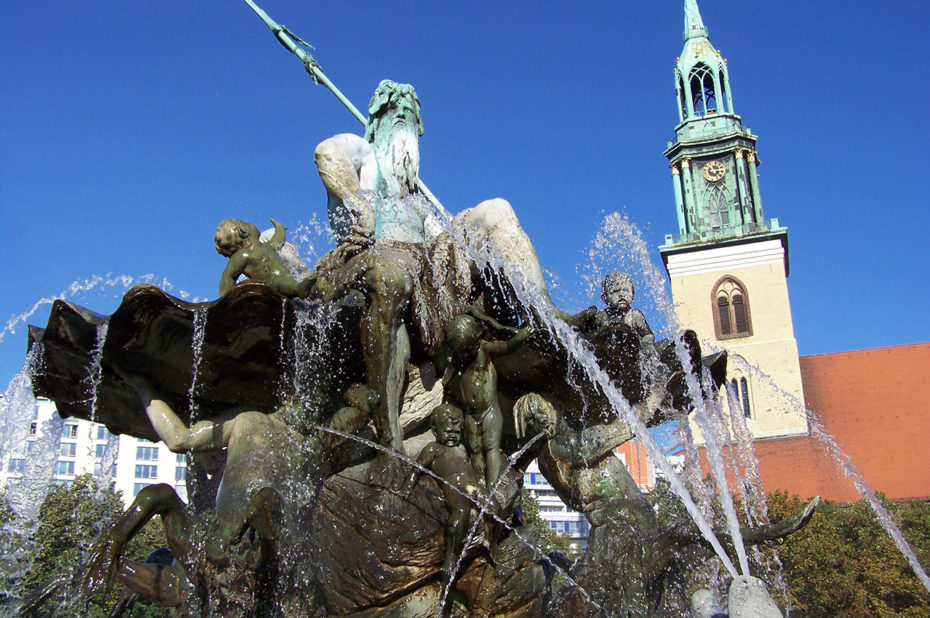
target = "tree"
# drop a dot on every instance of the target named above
(549, 539)
(69, 522)
(844, 564)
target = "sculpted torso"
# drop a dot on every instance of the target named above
(479, 385)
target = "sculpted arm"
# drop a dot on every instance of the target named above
(496, 348)
(641, 327)
(425, 459)
(598, 440)
(178, 437)
(236, 266)
(477, 313)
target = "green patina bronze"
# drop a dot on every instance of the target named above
(298, 414)
(713, 159)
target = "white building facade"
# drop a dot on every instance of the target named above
(84, 447)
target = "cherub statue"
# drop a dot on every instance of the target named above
(473, 353)
(249, 256)
(617, 292)
(447, 458)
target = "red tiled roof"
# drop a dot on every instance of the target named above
(876, 405)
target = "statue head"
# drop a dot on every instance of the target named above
(393, 103)
(463, 334)
(533, 413)
(394, 126)
(618, 291)
(233, 234)
(362, 397)
(447, 422)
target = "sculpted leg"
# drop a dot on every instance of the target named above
(107, 562)
(386, 343)
(494, 221)
(491, 429)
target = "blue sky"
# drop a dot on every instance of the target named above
(130, 129)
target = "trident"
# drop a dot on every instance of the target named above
(293, 43)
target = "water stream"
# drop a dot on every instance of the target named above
(96, 366)
(487, 256)
(819, 432)
(197, 337)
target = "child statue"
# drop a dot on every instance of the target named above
(249, 256)
(448, 460)
(478, 387)
(618, 292)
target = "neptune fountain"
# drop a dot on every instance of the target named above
(361, 428)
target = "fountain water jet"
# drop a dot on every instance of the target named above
(409, 301)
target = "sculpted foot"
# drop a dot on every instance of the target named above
(388, 471)
(215, 554)
(263, 510)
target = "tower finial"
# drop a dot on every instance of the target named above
(694, 25)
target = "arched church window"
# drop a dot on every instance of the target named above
(739, 389)
(718, 205)
(702, 90)
(731, 309)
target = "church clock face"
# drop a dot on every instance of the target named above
(713, 171)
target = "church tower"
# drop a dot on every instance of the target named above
(727, 264)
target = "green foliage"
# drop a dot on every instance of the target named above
(6, 513)
(668, 507)
(843, 563)
(69, 522)
(549, 539)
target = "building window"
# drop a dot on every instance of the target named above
(101, 451)
(68, 449)
(33, 428)
(69, 431)
(137, 487)
(147, 453)
(17, 466)
(181, 459)
(744, 394)
(180, 474)
(731, 309)
(146, 472)
(65, 467)
(102, 433)
(740, 389)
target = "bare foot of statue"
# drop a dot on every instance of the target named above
(215, 553)
(264, 509)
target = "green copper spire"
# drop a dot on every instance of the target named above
(694, 26)
(713, 160)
